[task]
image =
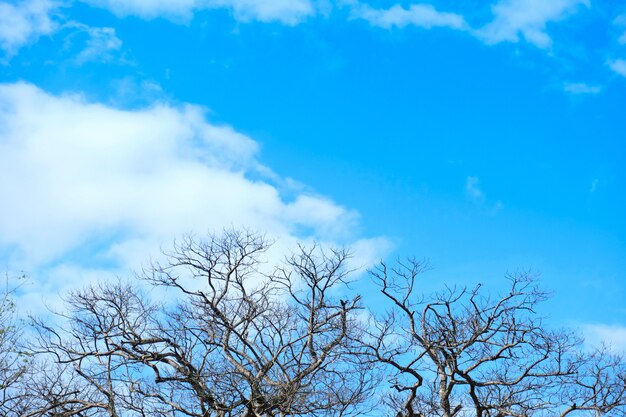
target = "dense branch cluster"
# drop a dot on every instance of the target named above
(233, 337)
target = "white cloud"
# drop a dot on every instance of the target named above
(614, 336)
(289, 12)
(368, 252)
(24, 22)
(528, 19)
(421, 15)
(618, 66)
(594, 185)
(113, 185)
(582, 88)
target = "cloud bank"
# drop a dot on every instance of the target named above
(84, 183)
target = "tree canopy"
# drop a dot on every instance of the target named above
(234, 336)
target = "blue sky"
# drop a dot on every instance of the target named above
(485, 136)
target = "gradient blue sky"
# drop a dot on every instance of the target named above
(488, 137)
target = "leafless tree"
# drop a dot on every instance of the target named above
(81, 369)
(233, 337)
(460, 352)
(598, 387)
(239, 340)
(274, 343)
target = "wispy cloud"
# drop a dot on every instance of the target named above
(618, 66)
(289, 12)
(476, 195)
(614, 336)
(620, 21)
(472, 190)
(178, 10)
(515, 20)
(101, 44)
(25, 22)
(421, 15)
(581, 88)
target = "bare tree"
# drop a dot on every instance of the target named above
(272, 343)
(81, 369)
(234, 337)
(598, 387)
(462, 352)
(239, 340)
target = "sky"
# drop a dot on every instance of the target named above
(485, 136)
